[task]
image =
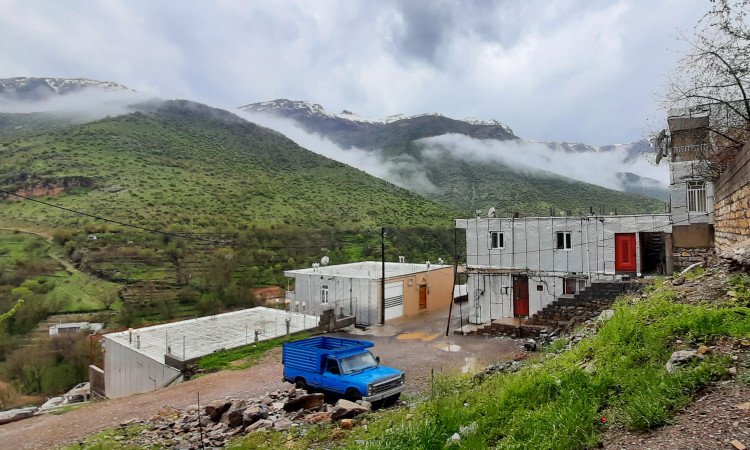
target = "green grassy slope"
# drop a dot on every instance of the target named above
(184, 163)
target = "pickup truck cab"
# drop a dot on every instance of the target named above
(341, 366)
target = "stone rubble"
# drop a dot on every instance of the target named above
(219, 421)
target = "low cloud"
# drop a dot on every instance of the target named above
(600, 168)
(403, 171)
(85, 105)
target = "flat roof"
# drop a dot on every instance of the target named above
(367, 270)
(204, 335)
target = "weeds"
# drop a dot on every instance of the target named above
(561, 402)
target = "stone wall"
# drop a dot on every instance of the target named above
(684, 257)
(733, 203)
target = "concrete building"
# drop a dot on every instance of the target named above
(517, 266)
(73, 327)
(354, 289)
(144, 359)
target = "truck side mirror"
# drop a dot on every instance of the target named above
(377, 359)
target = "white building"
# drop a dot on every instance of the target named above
(517, 266)
(73, 327)
(148, 358)
(354, 289)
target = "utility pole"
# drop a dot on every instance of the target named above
(381, 318)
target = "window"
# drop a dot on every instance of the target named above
(563, 240)
(333, 367)
(496, 239)
(324, 294)
(696, 192)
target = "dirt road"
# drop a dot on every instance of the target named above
(416, 345)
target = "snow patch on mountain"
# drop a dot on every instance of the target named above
(314, 109)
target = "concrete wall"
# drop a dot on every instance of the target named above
(439, 284)
(491, 295)
(530, 243)
(530, 249)
(357, 295)
(733, 202)
(679, 175)
(128, 372)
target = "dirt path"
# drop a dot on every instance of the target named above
(418, 351)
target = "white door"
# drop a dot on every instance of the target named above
(394, 300)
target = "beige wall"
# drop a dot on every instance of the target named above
(733, 202)
(439, 284)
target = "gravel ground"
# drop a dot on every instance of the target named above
(416, 346)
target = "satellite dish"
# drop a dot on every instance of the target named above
(491, 212)
(324, 261)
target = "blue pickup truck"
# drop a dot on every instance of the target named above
(341, 366)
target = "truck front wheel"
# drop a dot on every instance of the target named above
(353, 394)
(390, 401)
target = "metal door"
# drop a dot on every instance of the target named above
(625, 252)
(520, 295)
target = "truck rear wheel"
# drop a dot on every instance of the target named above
(300, 383)
(353, 394)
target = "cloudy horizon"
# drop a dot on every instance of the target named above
(574, 71)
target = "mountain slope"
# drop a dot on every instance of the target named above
(420, 161)
(179, 162)
(31, 89)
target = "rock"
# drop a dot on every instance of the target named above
(282, 424)
(309, 401)
(215, 409)
(317, 418)
(259, 424)
(606, 315)
(253, 414)
(347, 424)
(277, 406)
(703, 350)
(681, 358)
(678, 282)
(732, 293)
(455, 439)
(234, 417)
(738, 445)
(530, 345)
(344, 409)
(166, 411)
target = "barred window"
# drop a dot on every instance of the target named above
(696, 193)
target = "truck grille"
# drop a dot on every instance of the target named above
(386, 385)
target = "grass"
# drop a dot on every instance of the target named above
(614, 378)
(111, 439)
(249, 355)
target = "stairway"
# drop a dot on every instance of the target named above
(571, 309)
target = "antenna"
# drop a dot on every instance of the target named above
(324, 261)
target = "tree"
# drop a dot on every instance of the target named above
(713, 74)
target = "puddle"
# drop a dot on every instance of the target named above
(470, 365)
(448, 347)
(421, 336)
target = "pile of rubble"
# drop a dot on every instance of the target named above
(216, 423)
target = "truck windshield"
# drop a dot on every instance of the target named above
(360, 361)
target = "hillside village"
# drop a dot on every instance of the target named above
(174, 274)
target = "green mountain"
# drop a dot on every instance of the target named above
(464, 183)
(185, 164)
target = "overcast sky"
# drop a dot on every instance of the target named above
(576, 71)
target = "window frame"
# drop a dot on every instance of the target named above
(697, 196)
(324, 294)
(566, 241)
(493, 241)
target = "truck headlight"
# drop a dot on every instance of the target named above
(403, 378)
(369, 390)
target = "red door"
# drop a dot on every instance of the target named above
(423, 297)
(520, 295)
(625, 252)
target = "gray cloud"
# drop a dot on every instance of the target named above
(568, 71)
